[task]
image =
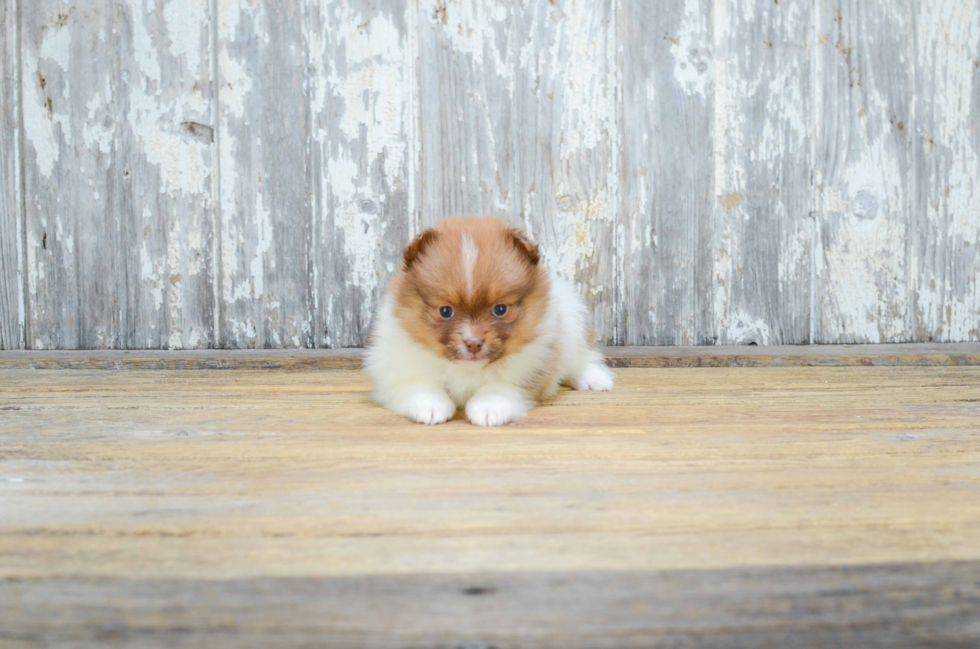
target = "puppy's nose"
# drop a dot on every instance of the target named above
(474, 345)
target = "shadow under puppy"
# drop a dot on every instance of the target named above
(473, 319)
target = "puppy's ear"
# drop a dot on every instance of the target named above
(525, 246)
(417, 247)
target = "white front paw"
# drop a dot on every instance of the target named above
(430, 408)
(595, 377)
(493, 409)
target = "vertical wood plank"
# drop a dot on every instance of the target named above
(363, 161)
(945, 252)
(165, 160)
(565, 143)
(762, 229)
(862, 167)
(265, 224)
(11, 218)
(117, 173)
(668, 172)
(518, 118)
(466, 104)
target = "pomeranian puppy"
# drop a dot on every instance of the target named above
(472, 319)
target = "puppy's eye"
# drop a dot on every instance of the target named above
(500, 310)
(446, 312)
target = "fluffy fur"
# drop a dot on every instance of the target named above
(514, 334)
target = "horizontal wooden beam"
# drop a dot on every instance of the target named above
(911, 354)
(797, 355)
(816, 606)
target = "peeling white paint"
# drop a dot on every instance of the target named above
(181, 161)
(830, 199)
(745, 329)
(97, 132)
(235, 81)
(145, 52)
(242, 330)
(56, 46)
(235, 84)
(587, 106)
(794, 262)
(235, 87)
(688, 47)
(185, 22)
(150, 271)
(39, 126)
(948, 51)
(577, 247)
(155, 112)
(35, 274)
(360, 237)
(195, 247)
(473, 28)
(371, 89)
(174, 342)
(263, 233)
(866, 262)
(364, 78)
(412, 125)
(729, 175)
(175, 292)
(42, 100)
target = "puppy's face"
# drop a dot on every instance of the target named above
(470, 290)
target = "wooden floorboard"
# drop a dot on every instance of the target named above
(776, 506)
(889, 605)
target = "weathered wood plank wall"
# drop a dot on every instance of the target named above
(117, 172)
(243, 173)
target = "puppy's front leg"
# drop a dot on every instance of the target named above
(496, 404)
(422, 402)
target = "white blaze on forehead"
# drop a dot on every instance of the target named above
(470, 254)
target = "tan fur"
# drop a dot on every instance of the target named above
(506, 271)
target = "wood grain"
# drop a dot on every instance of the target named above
(862, 168)
(774, 504)
(887, 606)
(317, 206)
(117, 168)
(467, 58)
(11, 205)
(266, 251)
(667, 174)
(364, 162)
(762, 231)
(565, 144)
(944, 264)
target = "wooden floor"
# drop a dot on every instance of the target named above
(776, 506)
